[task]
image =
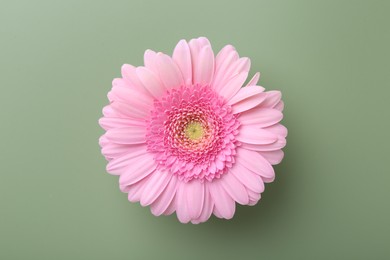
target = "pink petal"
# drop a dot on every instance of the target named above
(151, 82)
(109, 112)
(103, 141)
(182, 210)
(204, 69)
(279, 144)
(202, 59)
(234, 188)
(182, 57)
(249, 179)
(248, 103)
(254, 80)
(164, 200)
(156, 185)
(129, 74)
(251, 135)
(150, 60)
(253, 197)
(119, 164)
(114, 97)
(134, 110)
(261, 117)
(255, 162)
(224, 204)
(216, 212)
(273, 157)
(116, 122)
(138, 170)
(277, 129)
(117, 150)
(246, 92)
(195, 197)
(171, 208)
(225, 58)
(130, 95)
(233, 85)
(196, 45)
(279, 106)
(127, 135)
(203, 41)
(119, 82)
(273, 98)
(241, 65)
(135, 191)
(169, 72)
(207, 207)
(223, 55)
(195, 48)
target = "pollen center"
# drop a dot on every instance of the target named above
(194, 130)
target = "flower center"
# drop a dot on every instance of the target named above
(194, 131)
(191, 132)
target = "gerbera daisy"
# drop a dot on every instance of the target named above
(185, 136)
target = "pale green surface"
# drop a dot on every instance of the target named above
(331, 196)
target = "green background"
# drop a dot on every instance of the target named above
(329, 58)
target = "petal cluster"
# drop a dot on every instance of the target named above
(206, 157)
(185, 135)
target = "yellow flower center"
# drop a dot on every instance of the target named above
(194, 131)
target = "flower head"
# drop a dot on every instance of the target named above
(184, 134)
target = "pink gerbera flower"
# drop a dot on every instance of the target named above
(184, 135)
